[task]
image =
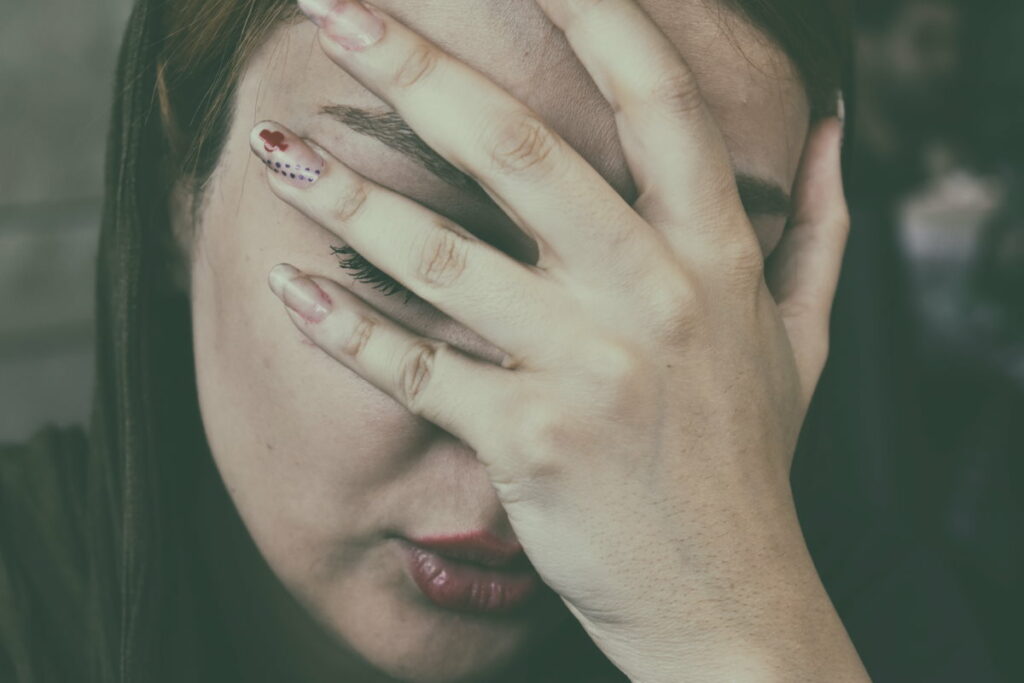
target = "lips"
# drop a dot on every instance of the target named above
(475, 572)
(478, 547)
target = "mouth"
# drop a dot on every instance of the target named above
(477, 547)
(471, 572)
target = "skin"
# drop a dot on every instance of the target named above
(325, 457)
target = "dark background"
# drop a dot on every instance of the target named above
(55, 88)
(937, 278)
(937, 260)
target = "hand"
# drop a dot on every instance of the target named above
(640, 427)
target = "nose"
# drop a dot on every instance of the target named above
(470, 501)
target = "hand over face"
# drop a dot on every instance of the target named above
(640, 425)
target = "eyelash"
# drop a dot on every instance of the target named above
(364, 271)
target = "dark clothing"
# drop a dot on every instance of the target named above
(42, 557)
(901, 606)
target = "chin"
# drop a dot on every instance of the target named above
(422, 644)
(458, 665)
(400, 633)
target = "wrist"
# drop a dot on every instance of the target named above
(808, 643)
(762, 616)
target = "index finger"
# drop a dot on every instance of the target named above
(537, 178)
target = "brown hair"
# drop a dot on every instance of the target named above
(207, 44)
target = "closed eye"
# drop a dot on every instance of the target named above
(363, 271)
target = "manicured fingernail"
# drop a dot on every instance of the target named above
(347, 22)
(286, 154)
(299, 293)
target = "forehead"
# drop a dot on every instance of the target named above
(751, 88)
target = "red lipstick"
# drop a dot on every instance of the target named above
(480, 547)
(473, 572)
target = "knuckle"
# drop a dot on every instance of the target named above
(613, 365)
(522, 143)
(745, 259)
(359, 336)
(615, 380)
(677, 306)
(544, 431)
(415, 371)
(418, 64)
(678, 93)
(349, 203)
(441, 258)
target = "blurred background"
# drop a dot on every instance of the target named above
(938, 241)
(55, 84)
(938, 231)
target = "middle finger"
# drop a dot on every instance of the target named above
(577, 219)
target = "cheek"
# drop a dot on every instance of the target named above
(300, 441)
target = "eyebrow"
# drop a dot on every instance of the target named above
(759, 196)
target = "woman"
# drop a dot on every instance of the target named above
(563, 455)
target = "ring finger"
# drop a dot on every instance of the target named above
(430, 378)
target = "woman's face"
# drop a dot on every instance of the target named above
(326, 471)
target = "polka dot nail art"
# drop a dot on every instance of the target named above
(286, 155)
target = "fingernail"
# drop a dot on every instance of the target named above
(286, 154)
(347, 22)
(299, 293)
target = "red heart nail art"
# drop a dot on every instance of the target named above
(273, 140)
(286, 155)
